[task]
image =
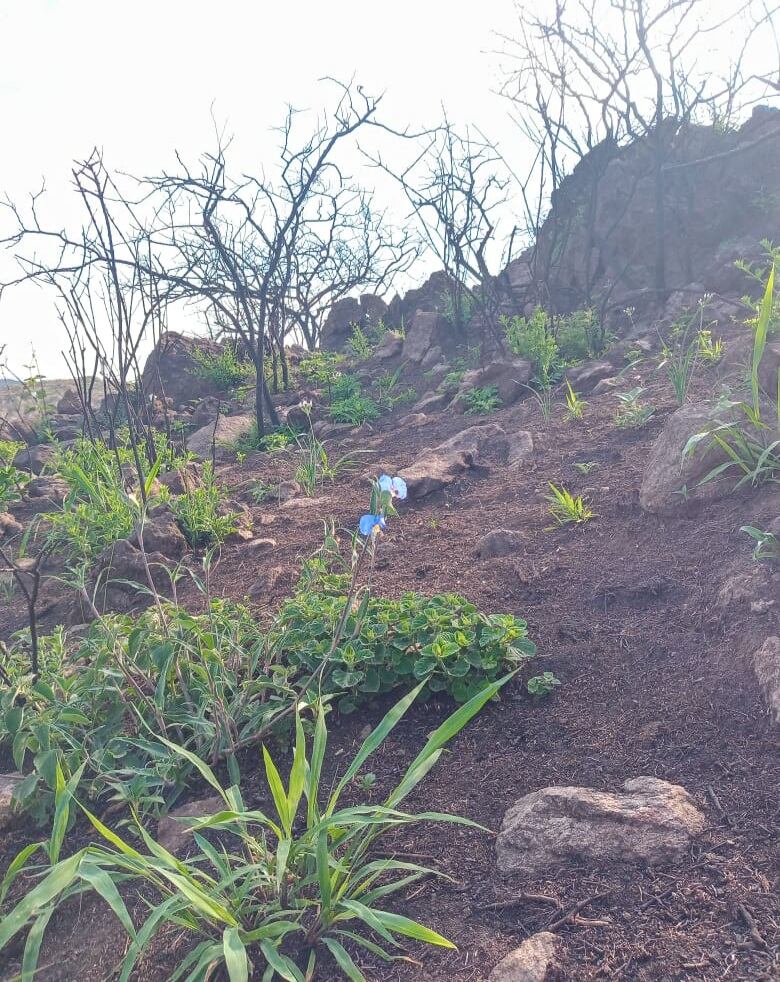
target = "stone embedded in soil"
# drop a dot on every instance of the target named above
(8, 784)
(433, 402)
(650, 822)
(268, 582)
(766, 664)
(224, 433)
(35, 458)
(520, 446)
(52, 488)
(499, 542)
(434, 470)
(173, 835)
(475, 439)
(508, 375)
(427, 329)
(69, 403)
(607, 385)
(9, 527)
(583, 378)
(666, 472)
(161, 534)
(531, 962)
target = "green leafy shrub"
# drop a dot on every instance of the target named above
(542, 685)
(551, 342)
(355, 409)
(358, 343)
(200, 512)
(482, 400)
(344, 386)
(579, 335)
(452, 379)
(321, 367)
(223, 370)
(12, 485)
(632, 412)
(8, 450)
(444, 639)
(303, 876)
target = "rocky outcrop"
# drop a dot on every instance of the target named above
(531, 962)
(433, 295)
(766, 663)
(426, 331)
(649, 822)
(69, 403)
(34, 459)
(365, 312)
(172, 372)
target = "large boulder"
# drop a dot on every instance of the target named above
(69, 403)
(172, 371)
(434, 470)
(433, 295)
(476, 439)
(531, 962)
(509, 375)
(428, 329)
(161, 534)
(224, 432)
(666, 472)
(650, 822)
(9, 527)
(766, 663)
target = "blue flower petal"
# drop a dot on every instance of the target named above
(399, 488)
(385, 483)
(367, 523)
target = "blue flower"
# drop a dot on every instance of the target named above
(369, 523)
(395, 485)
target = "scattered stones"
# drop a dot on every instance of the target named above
(173, 834)
(475, 439)
(260, 545)
(607, 385)
(766, 664)
(531, 962)
(650, 822)
(223, 433)
(434, 470)
(499, 542)
(8, 784)
(433, 402)
(34, 459)
(206, 412)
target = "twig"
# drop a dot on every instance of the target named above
(521, 898)
(560, 921)
(750, 924)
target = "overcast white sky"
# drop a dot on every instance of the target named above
(138, 79)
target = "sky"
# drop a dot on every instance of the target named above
(142, 79)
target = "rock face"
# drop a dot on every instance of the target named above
(51, 487)
(666, 472)
(510, 376)
(531, 962)
(224, 433)
(766, 663)
(427, 330)
(366, 312)
(171, 371)
(390, 346)
(432, 295)
(69, 403)
(650, 822)
(162, 534)
(434, 470)
(585, 377)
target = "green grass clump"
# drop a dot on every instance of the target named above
(482, 400)
(224, 371)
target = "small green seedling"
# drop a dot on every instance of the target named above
(565, 509)
(632, 414)
(542, 685)
(767, 544)
(575, 406)
(585, 466)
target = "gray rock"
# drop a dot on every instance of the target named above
(520, 446)
(650, 822)
(225, 433)
(69, 403)
(531, 962)
(432, 358)
(172, 371)
(173, 833)
(34, 459)
(53, 488)
(432, 403)
(390, 346)
(584, 377)
(499, 542)
(161, 533)
(766, 664)
(8, 784)
(607, 385)
(476, 439)
(427, 330)
(509, 375)
(434, 470)
(9, 527)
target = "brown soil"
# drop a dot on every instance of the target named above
(656, 680)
